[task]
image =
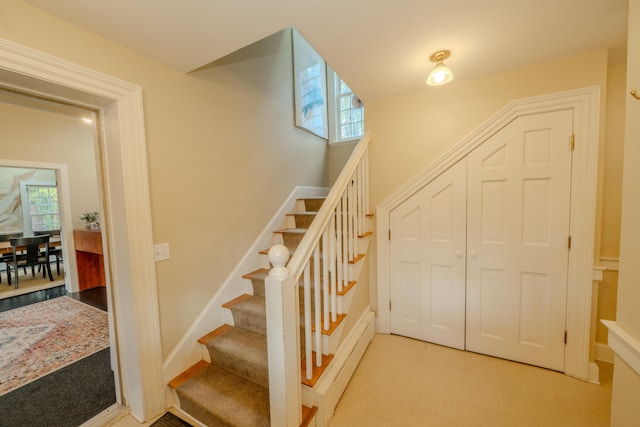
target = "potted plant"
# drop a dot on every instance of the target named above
(91, 220)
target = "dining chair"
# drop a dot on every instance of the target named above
(30, 256)
(6, 258)
(53, 251)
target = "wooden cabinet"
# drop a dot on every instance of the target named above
(89, 257)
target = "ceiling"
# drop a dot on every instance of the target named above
(380, 47)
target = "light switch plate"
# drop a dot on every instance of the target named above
(161, 251)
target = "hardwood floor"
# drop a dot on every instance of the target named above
(96, 297)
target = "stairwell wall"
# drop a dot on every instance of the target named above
(222, 150)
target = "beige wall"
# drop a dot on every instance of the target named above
(613, 158)
(338, 156)
(625, 410)
(222, 151)
(411, 131)
(35, 135)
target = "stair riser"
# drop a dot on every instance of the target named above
(303, 220)
(310, 205)
(258, 286)
(291, 240)
(252, 372)
(200, 412)
(250, 321)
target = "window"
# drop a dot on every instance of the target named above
(350, 113)
(44, 210)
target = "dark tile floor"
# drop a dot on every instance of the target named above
(96, 297)
(31, 298)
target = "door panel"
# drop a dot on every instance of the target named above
(518, 225)
(428, 261)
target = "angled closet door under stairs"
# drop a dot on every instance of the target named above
(479, 256)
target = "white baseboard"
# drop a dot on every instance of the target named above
(603, 352)
(594, 373)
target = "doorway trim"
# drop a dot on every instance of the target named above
(126, 207)
(585, 105)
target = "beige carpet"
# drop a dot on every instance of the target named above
(404, 382)
(28, 283)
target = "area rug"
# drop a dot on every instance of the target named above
(40, 338)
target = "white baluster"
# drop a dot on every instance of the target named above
(307, 321)
(326, 262)
(317, 304)
(345, 242)
(336, 274)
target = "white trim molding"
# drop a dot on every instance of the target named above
(585, 106)
(127, 232)
(623, 344)
(598, 273)
(610, 264)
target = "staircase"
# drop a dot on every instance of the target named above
(232, 389)
(299, 377)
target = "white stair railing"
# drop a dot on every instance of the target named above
(322, 261)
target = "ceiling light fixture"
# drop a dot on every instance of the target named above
(441, 74)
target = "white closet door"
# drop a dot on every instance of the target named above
(428, 261)
(517, 240)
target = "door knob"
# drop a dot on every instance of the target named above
(459, 253)
(474, 254)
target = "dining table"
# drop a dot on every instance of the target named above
(6, 248)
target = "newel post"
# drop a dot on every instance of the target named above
(282, 341)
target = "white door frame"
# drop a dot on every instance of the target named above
(585, 105)
(126, 208)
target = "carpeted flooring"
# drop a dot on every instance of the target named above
(68, 397)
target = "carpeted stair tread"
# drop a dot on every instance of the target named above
(292, 230)
(242, 352)
(218, 397)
